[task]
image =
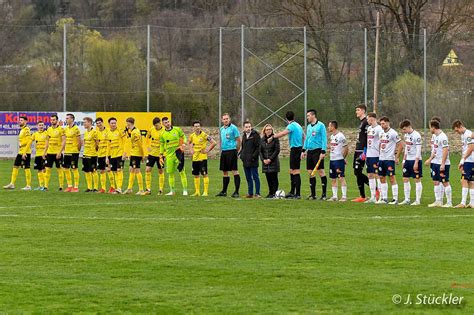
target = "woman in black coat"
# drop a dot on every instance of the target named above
(270, 162)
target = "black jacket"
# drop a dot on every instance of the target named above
(250, 149)
(270, 151)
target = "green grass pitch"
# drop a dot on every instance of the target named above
(91, 253)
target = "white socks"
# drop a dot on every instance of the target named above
(372, 186)
(395, 191)
(344, 191)
(465, 192)
(406, 190)
(419, 190)
(334, 191)
(384, 191)
(448, 193)
(438, 193)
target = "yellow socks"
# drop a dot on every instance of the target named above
(103, 181)
(184, 179)
(95, 177)
(118, 180)
(162, 181)
(131, 179)
(28, 177)
(171, 181)
(67, 172)
(197, 185)
(206, 185)
(111, 179)
(75, 172)
(60, 177)
(89, 180)
(47, 177)
(14, 175)
(41, 179)
(148, 180)
(140, 180)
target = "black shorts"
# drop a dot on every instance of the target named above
(199, 167)
(51, 159)
(295, 158)
(151, 160)
(312, 158)
(19, 162)
(39, 163)
(228, 161)
(101, 165)
(89, 163)
(357, 164)
(135, 161)
(71, 160)
(116, 163)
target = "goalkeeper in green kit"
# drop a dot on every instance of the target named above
(172, 143)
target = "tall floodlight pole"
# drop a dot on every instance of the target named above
(305, 77)
(424, 88)
(376, 65)
(242, 75)
(64, 67)
(365, 67)
(220, 77)
(148, 43)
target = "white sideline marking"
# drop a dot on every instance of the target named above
(90, 204)
(150, 219)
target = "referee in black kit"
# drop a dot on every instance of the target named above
(360, 151)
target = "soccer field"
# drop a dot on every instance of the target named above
(64, 253)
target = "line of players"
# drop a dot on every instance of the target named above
(105, 150)
(104, 156)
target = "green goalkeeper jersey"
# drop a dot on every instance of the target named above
(171, 140)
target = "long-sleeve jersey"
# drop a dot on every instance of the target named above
(361, 141)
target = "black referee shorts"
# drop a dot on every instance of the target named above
(312, 158)
(228, 161)
(295, 158)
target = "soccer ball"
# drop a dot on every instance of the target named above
(280, 194)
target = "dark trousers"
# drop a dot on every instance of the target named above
(251, 174)
(272, 181)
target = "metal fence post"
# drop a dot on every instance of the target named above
(220, 77)
(148, 43)
(305, 78)
(242, 75)
(64, 67)
(424, 89)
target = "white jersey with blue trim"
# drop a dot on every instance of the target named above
(373, 141)
(388, 144)
(412, 146)
(467, 139)
(440, 142)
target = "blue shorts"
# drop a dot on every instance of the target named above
(386, 168)
(408, 169)
(468, 171)
(372, 164)
(337, 169)
(439, 176)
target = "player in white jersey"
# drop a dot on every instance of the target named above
(432, 151)
(372, 156)
(440, 166)
(412, 165)
(466, 165)
(390, 148)
(337, 163)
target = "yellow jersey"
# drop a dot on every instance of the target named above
(136, 142)
(39, 138)
(24, 139)
(116, 139)
(90, 142)
(55, 136)
(103, 137)
(199, 142)
(153, 141)
(72, 141)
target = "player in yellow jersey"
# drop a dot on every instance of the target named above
(152, 156)
(55, 143)
(23, 157)
(136, 156)
(89, 157)
(102, 166)
(198, 142)
(115, 153)
(39, 139)
(71, 153)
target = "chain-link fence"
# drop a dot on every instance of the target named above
(251, 73)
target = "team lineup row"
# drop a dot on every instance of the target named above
(377, 145)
